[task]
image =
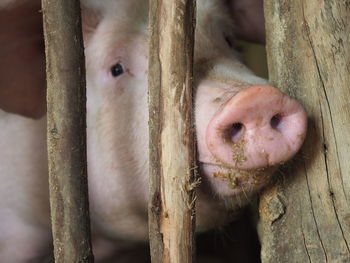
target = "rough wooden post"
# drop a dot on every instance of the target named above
(66, 118)
(306, 216)
(172, 147)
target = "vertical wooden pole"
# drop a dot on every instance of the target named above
(172, 146)
(66, 118)
(305, 217)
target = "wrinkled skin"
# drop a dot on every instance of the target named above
(115, 33)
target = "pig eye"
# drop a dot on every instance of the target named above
(117, 70)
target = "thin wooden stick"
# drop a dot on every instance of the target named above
(66, 118)
(172, 146)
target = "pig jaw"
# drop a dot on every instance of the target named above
(236, 184)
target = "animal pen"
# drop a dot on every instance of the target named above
(304, 215)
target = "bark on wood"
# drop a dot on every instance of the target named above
(66, 100)
(305, 217)
(172, 148)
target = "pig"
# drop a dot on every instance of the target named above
(245, 128)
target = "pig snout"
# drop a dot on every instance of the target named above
(247, 137)
(259, 127)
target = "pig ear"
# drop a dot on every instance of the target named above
(90, 20)
(22, 63)
(248, 16)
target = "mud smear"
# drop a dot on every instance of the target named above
(235, 179)
(238, 152)
(238, 155)
(239, 178)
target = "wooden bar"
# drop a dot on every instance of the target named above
(66, 120)
(172, 145)
(305, 217)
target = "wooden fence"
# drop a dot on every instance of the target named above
(305, 217)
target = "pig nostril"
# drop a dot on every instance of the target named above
(276, 121)
(235, 132)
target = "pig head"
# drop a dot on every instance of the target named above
(245, 128)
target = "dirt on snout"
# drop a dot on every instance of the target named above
(239, 178)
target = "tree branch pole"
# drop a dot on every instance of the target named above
(305, 217)
(171, 128)
(66, 120)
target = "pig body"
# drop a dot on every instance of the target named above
(116, 41)
(24, 212)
